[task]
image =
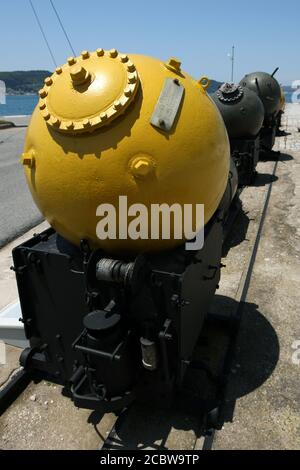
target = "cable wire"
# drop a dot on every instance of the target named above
(43, 33)
(62, 27)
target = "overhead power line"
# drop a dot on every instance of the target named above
(43, 33)
(62, 27)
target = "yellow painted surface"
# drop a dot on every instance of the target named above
(82, 160)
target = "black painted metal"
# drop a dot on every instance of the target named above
(267, 88)
(243, 113)
(165, 300)
(245, 154)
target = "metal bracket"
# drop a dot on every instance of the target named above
(168, 104)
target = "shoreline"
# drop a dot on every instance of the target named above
(15, 116)
(21, 95)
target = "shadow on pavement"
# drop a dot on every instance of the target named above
(251, 362)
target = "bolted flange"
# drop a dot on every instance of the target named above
(84, 70)
(230, 92)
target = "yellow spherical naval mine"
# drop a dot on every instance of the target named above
(109, 125)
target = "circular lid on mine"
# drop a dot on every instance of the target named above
(100, 320)
(89, 91)
(230, 92)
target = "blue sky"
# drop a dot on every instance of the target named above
(266, 33)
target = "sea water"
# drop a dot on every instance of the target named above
(20, 105)
(24, 104)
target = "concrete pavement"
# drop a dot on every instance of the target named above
(18, 212)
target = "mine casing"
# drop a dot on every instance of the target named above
(99, 131)
(268, 89)
(243, 114)
(241, 109)
(109, 125)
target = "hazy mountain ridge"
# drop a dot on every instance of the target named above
(24, 82)
(28, 82)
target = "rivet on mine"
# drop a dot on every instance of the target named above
(113, 53)
(43, 93)
(86, 123)
(103, 116)
(55, 121)
(79, 75)
(100, 52)
(132, 78)
(42, 106)
(71, 61)
(58, 70)
(141, 167)
(46, 115)
(85, 54)
(173, 64)
(128, 92)
(130, 67)
(48, 81)
(117, 104)
(95, 121)
(124, 58)
(28, 159)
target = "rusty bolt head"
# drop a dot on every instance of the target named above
(43, 93)
(132, 78)
(86, 123)
(79, 75)
(113, 53)
(48, 81)
(55, 121)
(128, 92)
(28, 159)
(117, 104)
(141, 167)
(71, 60)
(174, 65)
(130, 67)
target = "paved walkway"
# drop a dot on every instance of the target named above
(18, 212)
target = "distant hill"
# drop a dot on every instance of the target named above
(214, 86)
(288, 88)
(22, 82)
